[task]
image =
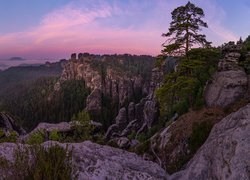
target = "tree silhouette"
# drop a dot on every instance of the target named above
(184, 30)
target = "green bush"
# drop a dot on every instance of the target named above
(12, 137)
(184, 88)
(132, 135)
(49, 163)
(143, 148)
(81, 126)
(36, 138)
(2, 133)
(55, 136)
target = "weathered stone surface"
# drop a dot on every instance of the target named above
(113, 129)
(225, 154)
(226, 87)
(7, 123)
(46, 128)
(123, 142)
(131, 111)
(121, 119)
(133, 126)
(96, 162)
(93, 102)
(150, 112)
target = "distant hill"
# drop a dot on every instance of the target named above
(15, 76)
(17, 59)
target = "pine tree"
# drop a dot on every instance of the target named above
(184, 30)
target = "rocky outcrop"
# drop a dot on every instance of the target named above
(171, 144)
(226, 88)
(225, 154)
(105, 77)
(141, 116)
(47, 128)
(229, 83)
(94, 162)
(8, 124)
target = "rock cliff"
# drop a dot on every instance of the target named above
(225, 154)
(113, 79)
(8, 124)
(230, 82)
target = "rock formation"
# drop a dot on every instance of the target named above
(142, 115)
(230, 82)
(106, 75)
(8, 124)
(94, 162)
(225, 154)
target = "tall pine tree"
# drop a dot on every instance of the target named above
(184, 30)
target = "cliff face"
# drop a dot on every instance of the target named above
(230, 82)
(225, 154)
(8, 125)
(115, 79)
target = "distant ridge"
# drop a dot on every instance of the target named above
(17, 59)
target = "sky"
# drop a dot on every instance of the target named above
(53, 29)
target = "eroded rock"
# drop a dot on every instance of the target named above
(225, 154)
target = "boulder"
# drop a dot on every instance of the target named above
(97, 162)
(226, 87)
(225, 154)
(46, 128)
(123, 142)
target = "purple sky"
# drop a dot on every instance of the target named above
(37, 29)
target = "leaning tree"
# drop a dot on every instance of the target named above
(184, 30)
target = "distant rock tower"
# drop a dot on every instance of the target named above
(73, 56)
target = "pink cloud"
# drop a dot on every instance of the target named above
(76, 29)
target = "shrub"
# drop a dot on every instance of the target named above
(36, 138)
(132, 135)
(82, 127)
(55, 136)
(12, 137)
(53, 162)
(143, 148)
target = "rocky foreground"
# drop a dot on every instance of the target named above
(225, 155)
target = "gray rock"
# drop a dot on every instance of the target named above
(121, 119)
(93, 103)
(113, 129)
(226, 153)
(150, 112)
(131, 111)
(8, 124)
(226, 87)
(96, 162)
(132, 126)
(46, 128)
(123, 142)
